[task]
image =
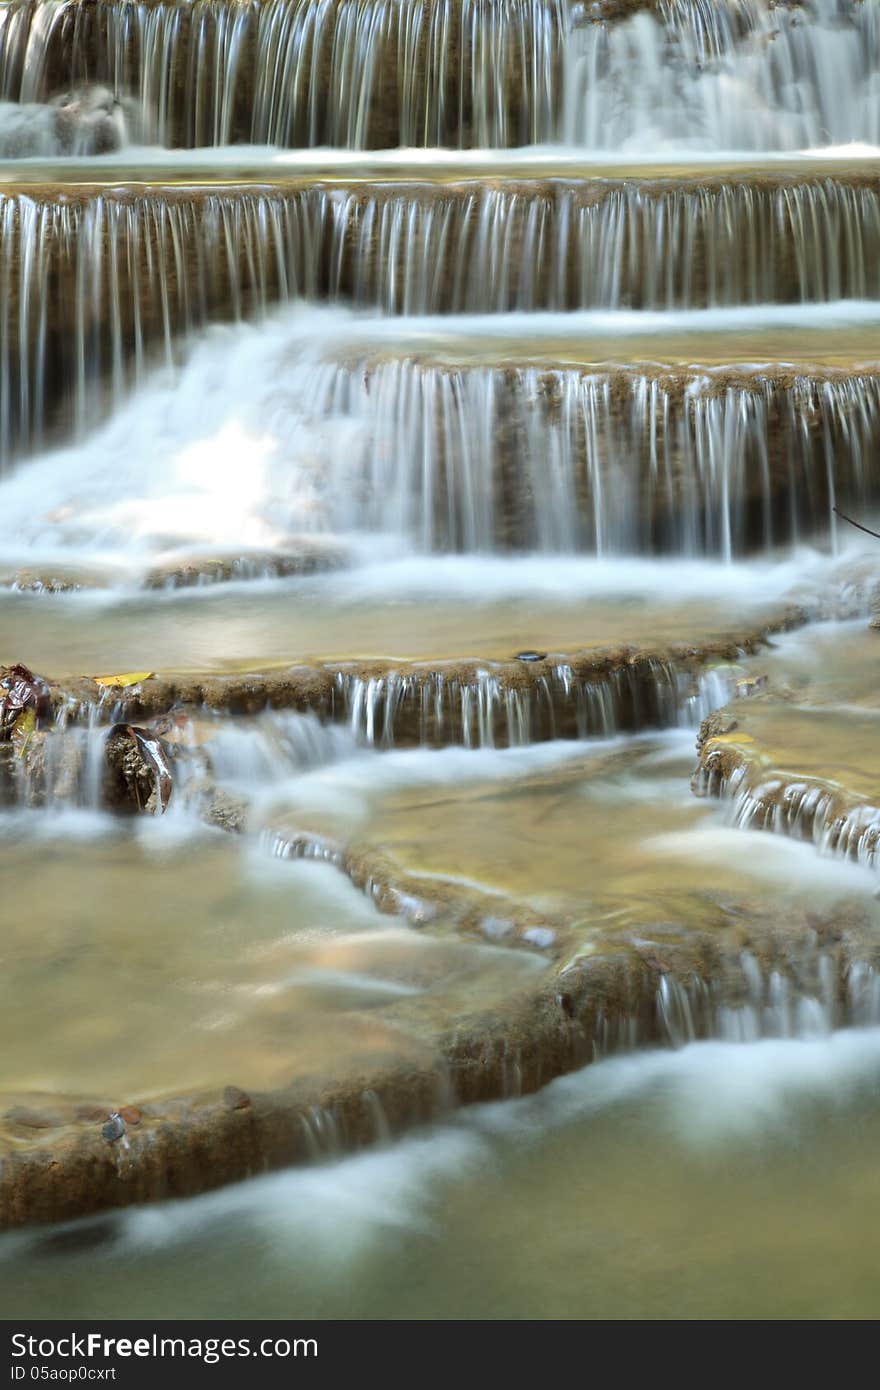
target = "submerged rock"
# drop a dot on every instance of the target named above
(137, 775)
(308, 556)
(86, 120)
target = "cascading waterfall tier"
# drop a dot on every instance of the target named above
(732, 74)
(472, 704)
(96, 282)
(301, 72)
(724, 75)
(718, 461)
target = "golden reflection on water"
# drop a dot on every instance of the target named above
(133, 971)
(61, 636)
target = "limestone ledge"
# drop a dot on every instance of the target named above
(635, 988)
(329, 689)
(773, 782)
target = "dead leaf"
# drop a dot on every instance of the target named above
(21, 690)
(123, 681)
(23, 731)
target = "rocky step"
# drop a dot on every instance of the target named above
(600, 964)
(532, 696)
(801, 758)
(310, 555)
(97, 280)
(60, 1160)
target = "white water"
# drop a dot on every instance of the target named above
(272, 433)
(731, 75)
(796, 79)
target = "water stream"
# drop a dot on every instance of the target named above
(416, 419)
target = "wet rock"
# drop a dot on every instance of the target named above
(542, 937)
(114, 1129)
(715, 725)
(137, 776)
(130, 1114)
(566, 1004)
(747, 686)
(309, 557)
(25, 583)
(530, 656)
(90, 120)
(8, 778)
(85, 121)
(226, 811)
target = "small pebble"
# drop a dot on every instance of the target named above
(496, 928)
(530, 656)
(114, 1128)
(130, 1114)
(542, 937)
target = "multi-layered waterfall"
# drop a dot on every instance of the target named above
(421, 422)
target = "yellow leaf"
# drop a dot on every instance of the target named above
(120, 682)
(24, 727)
(732, 738)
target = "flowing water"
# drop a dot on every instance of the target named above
(538, 1208)
(431, 411)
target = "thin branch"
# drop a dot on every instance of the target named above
(843, 516)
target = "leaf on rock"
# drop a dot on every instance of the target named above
(123, 681)
(23, 731)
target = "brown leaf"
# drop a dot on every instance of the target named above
(21, 690)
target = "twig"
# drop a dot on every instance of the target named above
(843, 516)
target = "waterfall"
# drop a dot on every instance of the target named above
(735, 75)
(439, 456)
(94, 285)
(708, 74)
(485, 709)
(301, 72)
(731, 74)
(486, 459)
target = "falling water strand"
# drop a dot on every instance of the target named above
(95, 289)
(302, 72)
(566, 461)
